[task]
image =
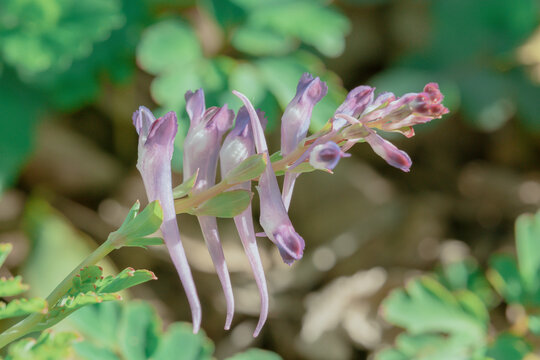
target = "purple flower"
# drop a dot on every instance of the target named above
(385, 149)
(364, 113)
(354, 105)
(156, 139)
(403, 113)
(274, 218)
(201, 152)
(238, 146)
(389, 152)
(295, 123)
(326, 156)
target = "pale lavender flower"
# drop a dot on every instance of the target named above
(295, 123)
(326, 156)
(274, 218)
(238, 146)
(201, 152)
(156, 138)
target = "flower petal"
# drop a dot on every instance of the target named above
(156, 143)
(274, 218)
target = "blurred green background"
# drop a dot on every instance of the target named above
(72, 72)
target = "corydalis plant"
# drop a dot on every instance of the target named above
(245, 158)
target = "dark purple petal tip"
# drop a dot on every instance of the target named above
(289, 243)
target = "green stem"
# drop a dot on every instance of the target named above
(29, 324)
(184, 204)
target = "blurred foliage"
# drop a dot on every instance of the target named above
(472, 46)
(87, 287)
(12, 287)
(443, 323)
(133, 331)
(49, 346)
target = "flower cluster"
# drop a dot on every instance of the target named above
(244, 157)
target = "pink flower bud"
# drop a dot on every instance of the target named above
(326, 156)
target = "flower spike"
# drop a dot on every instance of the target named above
(201, 151)
(295, 123)
(238, 146)
(156, 146)
(274, 218)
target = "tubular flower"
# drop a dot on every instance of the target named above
(274, 218)
(156, 139)
(295, 123)
(238, 146)
(201, 152)
(326, 156)
(354, 105)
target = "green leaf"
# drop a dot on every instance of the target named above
(49, 346)
(19, 102)
(68, 304)
(261, 42)
(133, 211)
(169, 45)
(245, 77)
(171, 51)
(49, 35)
(534, 324)
(429, 347)
(89, 287)
(88, 351)
(247, 170)
(127, 278)
(21, 307)
(140, 331)
(276, 156)
(296, 18)
(466, 275)
(11, 287)
(184, 188)
(85, 280)
(138, 225)
(5, 250)
(99, 323)
(528, 250)
(225, 205)
(255, 354)
(132, 331)
(509, 347)
(426, 306)
(505, 278)
(473, 305)
(179, 343)
(519, 282)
